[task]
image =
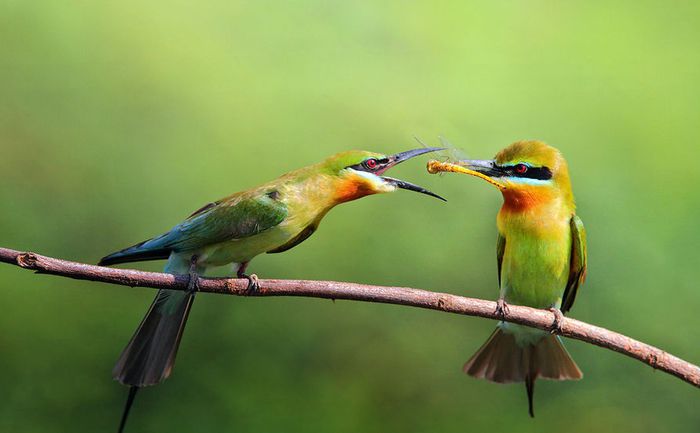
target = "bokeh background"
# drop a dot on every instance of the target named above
(117, 119)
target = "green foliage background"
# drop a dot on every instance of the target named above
(117, 119)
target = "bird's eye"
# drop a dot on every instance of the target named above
(521, 168)
(371, 164)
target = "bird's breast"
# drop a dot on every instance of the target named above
(535, 265)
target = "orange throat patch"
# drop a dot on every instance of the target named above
(352, 188)
(526, 198)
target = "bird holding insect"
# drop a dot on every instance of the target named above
(541, 258)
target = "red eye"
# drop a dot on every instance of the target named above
(371, 164)
(521, 168)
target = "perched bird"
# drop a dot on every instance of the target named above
(271, 218)
(541, 252)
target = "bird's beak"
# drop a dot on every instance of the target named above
(409, 186)
(404, 156)
(486, 170)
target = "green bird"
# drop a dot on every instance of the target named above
(271, 218)
(541, 253)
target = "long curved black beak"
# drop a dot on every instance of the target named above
(411, 187)
(404, 156)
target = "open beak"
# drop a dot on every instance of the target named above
(486, 170)
(409, 186)
(404, 156)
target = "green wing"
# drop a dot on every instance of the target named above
(500, 249)
(226, 220)
(236, 217)
(577, 265)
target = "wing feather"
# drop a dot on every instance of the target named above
(500, 249)
(578, 263)
(237, 217)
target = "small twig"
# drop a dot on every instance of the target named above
(541, 319)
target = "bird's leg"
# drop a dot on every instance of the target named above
(193, 283)
(502, 308)
(253, 285)
(558, 318)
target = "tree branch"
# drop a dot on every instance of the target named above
(532, 317)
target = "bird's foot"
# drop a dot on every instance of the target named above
(558, 319)
(502, 309)
(253, 285)
(193, 283)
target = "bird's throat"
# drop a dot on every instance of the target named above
(529, 199)
(351, 188)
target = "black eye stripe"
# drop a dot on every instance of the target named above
(539, 173)
(364, 167)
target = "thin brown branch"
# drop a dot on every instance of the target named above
(535, 318)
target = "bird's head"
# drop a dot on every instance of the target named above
(359, 173)
(527, 172)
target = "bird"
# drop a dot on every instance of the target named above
(271, 218)
(541, 258)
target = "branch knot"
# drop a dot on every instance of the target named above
(27, 260)
(653, 360)
(442, 303)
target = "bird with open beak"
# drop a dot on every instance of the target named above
(541, 257)
(271, 218)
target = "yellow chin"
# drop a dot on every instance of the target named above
(444, 167)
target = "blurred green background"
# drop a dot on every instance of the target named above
(117, 119)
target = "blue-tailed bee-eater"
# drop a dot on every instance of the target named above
(271, 218)
(541, 252)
